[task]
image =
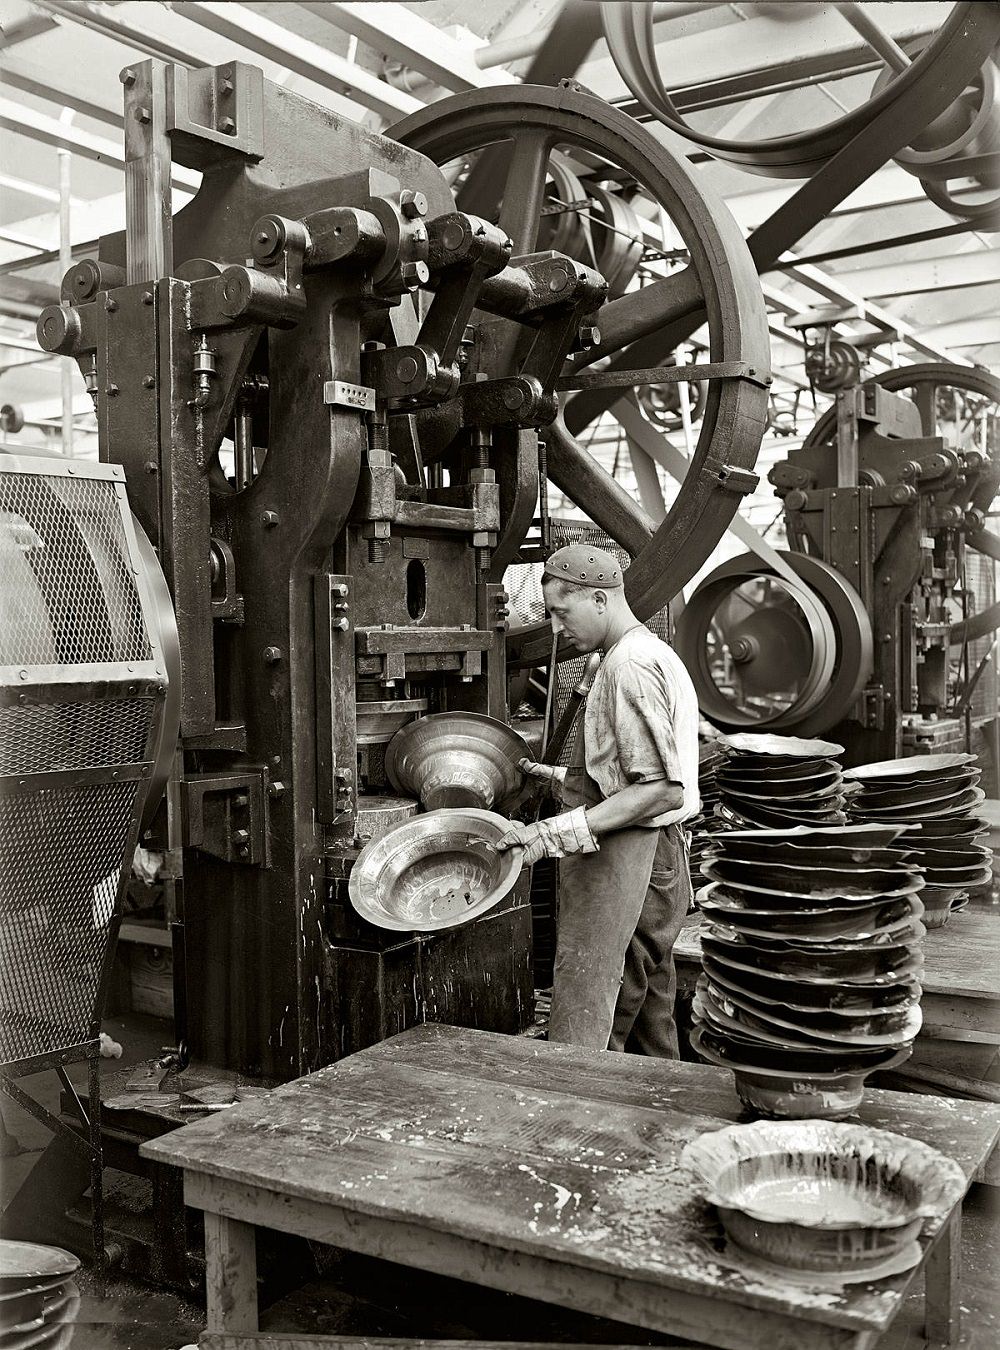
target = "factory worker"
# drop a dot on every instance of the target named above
(624, 879)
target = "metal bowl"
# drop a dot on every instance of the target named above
(797, 1089)
(822, 1196)
(911, 766)
(785, 747)
(456, 759)
(435, 871)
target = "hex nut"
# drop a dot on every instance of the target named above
(412, 204)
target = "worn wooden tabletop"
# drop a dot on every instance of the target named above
(544, 1150)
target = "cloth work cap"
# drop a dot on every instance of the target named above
(586, 566)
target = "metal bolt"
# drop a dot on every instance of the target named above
(148, 382)
(414, 274)
(378, 550)
(272, 655)
(227, 126)
(559, 280)
(147, 297)
(275, 790)
(269, 519)
(412, 204)
(407, 369)
(112, 391)
(110, 305)
(241, 799)
(128, 77)
(150, 466)
(226, 87)
(143, 115)
(513, 398)
(341, 625)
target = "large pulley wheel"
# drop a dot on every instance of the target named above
(766, 651)
(510, 134)
(628, 30)
(961, 404)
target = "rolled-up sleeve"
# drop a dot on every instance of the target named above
(644, 725)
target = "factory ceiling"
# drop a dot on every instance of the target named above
(886, 258)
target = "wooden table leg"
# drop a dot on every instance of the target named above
(942, 1284)
(230, 1274)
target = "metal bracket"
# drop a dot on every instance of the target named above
(226, 815)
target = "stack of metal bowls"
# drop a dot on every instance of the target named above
(811, 957)
(780, 780)
(712, 756)
(933, 798)
(39, 1300)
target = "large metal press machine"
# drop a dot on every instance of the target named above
(319, 390)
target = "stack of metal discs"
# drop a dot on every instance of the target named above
(811, 962)
(712, 757)
(933, 797)
(39, 1300)
(774, 781)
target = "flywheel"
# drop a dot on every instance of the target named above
(499, 144)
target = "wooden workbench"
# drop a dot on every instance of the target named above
(539, 1169)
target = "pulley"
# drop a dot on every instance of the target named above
(766, 651)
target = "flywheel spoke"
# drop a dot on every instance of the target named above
(524, 190)
(594, 491)
(640, 313)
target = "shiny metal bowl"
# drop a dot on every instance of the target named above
(817, 1195)
(437, 870)
(456, 759)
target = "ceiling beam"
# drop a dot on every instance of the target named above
(44, 194)
(257, 34)
(966, 332)
(402, 34)
(152, 30)
(70, 87)
(832, 288)
(976, 267)
(25, 121)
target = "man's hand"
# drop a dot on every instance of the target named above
(528, 837)
(569, 833)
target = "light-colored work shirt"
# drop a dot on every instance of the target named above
(641, 722)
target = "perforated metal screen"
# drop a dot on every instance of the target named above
(69, 597)
(61, 857)
(69, 594)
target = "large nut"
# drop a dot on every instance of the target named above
(412, 204)
(414, 274)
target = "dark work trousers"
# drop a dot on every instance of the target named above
(620, 911)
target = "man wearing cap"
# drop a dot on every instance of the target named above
(624, 883)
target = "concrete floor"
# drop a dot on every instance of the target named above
(348, 1295)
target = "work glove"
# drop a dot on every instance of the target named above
(554, 838)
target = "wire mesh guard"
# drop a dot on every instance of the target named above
(61, 858)
(69, 592)
(74, 741)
